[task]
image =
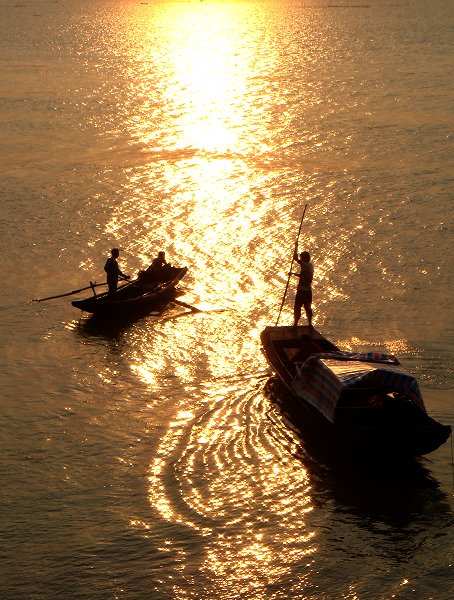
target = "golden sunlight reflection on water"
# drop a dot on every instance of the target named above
(148, 455)
(206, 71)
(203, 200)
(240, 514)
(212, 212)
(220, 186)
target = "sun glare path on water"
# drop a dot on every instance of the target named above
(202, 190)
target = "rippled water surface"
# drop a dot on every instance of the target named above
(147, 459)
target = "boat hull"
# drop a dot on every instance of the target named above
(133, 298)
(398, 430)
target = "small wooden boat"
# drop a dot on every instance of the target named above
(362, 403)
(138, 296)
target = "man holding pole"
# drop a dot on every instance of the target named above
(295, 254)
(304, 290)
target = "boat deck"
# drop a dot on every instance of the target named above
(293, 345)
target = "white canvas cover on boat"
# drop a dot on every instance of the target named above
(321, 379)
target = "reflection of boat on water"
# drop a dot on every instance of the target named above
(140, 296)
(361, 403)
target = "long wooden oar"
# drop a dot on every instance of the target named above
(192, 308)
(89, 287)
(291, 265)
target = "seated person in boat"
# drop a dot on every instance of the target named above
(157, 272)
(158, 263)
(113, 271)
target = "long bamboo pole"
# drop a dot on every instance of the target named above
(291, 265)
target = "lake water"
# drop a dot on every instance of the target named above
(146, 461)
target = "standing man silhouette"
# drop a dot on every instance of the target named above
(304, 290)
(113, 271)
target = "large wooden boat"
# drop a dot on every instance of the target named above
(141, 295)
(362, 403)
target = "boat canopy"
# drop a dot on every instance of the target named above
(321, 379)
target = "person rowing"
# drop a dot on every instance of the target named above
(113, 271)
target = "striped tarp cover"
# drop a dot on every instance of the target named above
(321, 379)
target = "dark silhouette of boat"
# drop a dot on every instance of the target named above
(139, 296)
(355, 402)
